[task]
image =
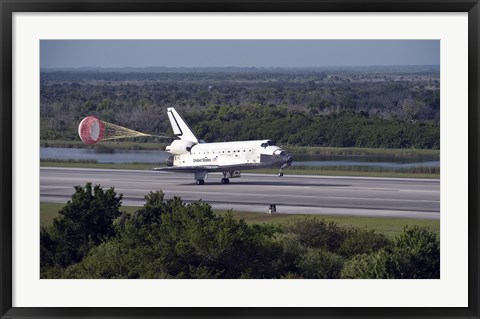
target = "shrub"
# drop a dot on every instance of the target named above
(360, 241)
(317, 233)
(416, 254)
(292, 251)
(171, 239)
(321, 264)
(365, 266)
(85, 222)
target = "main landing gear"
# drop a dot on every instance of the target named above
(200, 177)
(225, 180)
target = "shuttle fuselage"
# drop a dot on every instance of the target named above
(188, 154)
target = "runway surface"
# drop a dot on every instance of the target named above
(294, 194)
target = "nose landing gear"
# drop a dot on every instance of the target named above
(200, 182)
(285, 165)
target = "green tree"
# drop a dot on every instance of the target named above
(317, 233)
(167, 238)
(152, 210)
(416, 254)
(293, 250)
(321, 264)
(171, 239)
(365, 266)
(85, 222)
(361, 241)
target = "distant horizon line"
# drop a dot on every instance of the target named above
(237, 67)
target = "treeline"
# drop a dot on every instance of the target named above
(344, 129)
(292, 128)
(167, 238)
(139, 100)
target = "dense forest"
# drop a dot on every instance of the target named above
(167, 238)
(389, 107)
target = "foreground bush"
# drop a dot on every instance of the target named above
(365, 266)
(167, 238)
(170, 239)
(85, 222)
(414, 255)
(321, 264)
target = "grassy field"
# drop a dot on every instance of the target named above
(347, 171)
(311, 150)
(389, 226)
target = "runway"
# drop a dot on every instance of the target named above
(293, 194)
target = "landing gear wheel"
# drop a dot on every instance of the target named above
(280, 174)
(200, 182)
(225, 181)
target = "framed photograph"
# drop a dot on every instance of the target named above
(347, 132)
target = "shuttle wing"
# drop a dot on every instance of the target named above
(204, 168)
(188, 169)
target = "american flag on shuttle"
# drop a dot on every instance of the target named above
(214, 159)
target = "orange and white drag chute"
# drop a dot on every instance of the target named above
(91, 130)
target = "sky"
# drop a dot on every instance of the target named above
(236, 53)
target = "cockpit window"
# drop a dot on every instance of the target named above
(267, 143)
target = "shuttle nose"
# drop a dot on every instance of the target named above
(283, 158)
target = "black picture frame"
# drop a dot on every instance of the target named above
(8, 7)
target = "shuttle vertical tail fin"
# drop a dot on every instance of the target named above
(180, 128)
